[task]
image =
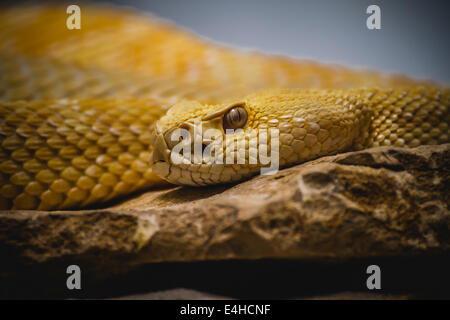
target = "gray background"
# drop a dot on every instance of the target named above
(414, 38)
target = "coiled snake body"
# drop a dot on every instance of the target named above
(78, 107)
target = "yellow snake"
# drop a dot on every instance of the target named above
(78, 107)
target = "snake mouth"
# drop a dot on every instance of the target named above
(188, 172)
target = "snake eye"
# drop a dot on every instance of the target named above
(235, 118)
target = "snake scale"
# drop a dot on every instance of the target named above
(85, 114)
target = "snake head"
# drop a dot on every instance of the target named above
(200, 144)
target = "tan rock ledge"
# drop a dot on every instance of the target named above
(379, 202)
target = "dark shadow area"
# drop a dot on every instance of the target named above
(120, 199)
(424, 277)
(174, 195)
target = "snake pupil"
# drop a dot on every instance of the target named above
(235, 118)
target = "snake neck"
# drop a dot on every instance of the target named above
(410, 117)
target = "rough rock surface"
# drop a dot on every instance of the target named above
(379, 202)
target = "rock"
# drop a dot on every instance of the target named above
(187, 294)
(173, 294)
(383, 201)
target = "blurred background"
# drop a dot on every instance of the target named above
(414, 36)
